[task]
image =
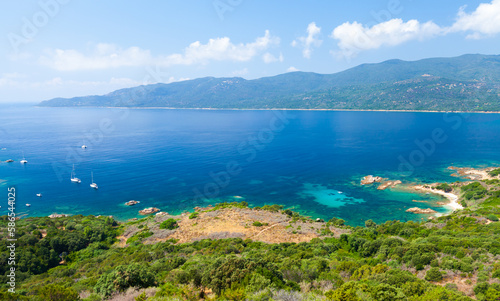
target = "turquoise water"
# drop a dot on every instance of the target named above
(311, 161)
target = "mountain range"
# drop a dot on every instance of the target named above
(469, 82)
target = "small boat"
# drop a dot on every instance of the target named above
(93, 185)
(84, 146)
(28, 205)
(39, 195)
(73, 178)
(10, 160)
(23, 161)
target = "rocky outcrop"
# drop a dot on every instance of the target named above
(473, 173)
(420, 201)
(149, 210)
(56, 215)
(388, 184)
(420, 210)
(369, 179)
(132, 203)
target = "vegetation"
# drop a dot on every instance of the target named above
(169, 224)
(466, 83)
(474, 191)
(259, 224)
(444, 187)
(495, 172)
(74, 258)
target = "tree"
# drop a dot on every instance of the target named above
(370, 224)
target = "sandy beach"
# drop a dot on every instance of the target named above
(453, 198)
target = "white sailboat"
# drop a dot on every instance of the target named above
(23, 161)
(73, 178)
(93, 185)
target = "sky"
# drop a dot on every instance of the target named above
(68, 48)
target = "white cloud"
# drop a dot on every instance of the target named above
(22, 81)
(107, 56)
(292, 69)
(269, 58)
(312, 40)
(354, 37)
(240, 72)
(104, 56)
(484, 21)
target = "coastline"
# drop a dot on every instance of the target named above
(453, 205)
(276, 109)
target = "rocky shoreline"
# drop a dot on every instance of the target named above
(453, 198)
(476, 174)
(385, 183)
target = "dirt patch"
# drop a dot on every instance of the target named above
(275, 227)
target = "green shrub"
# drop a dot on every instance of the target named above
(257, 224)
(370, 224)
(123, 277)
(474, 191)
(169, 224)
(58, 292)
(434, 274)
(495, 172)
(193, 215)
(492, 218)
(444, 187)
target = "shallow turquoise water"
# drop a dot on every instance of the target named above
(178, 159)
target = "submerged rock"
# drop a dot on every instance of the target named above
(387, 184)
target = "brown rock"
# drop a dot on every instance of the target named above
(387, 184)
(149, 210)
(420, 210)
(370, 180)
(132, 203)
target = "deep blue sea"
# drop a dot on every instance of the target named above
(311, 161)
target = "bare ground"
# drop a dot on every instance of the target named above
(230, 223)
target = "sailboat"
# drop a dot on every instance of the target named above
(23, 161)
(93, 185)
(73, 178)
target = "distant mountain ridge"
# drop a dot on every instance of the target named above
(466, 83)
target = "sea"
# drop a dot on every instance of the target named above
(176, 159)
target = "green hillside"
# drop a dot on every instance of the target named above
(465, 83)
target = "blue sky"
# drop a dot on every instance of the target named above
(66, 48)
